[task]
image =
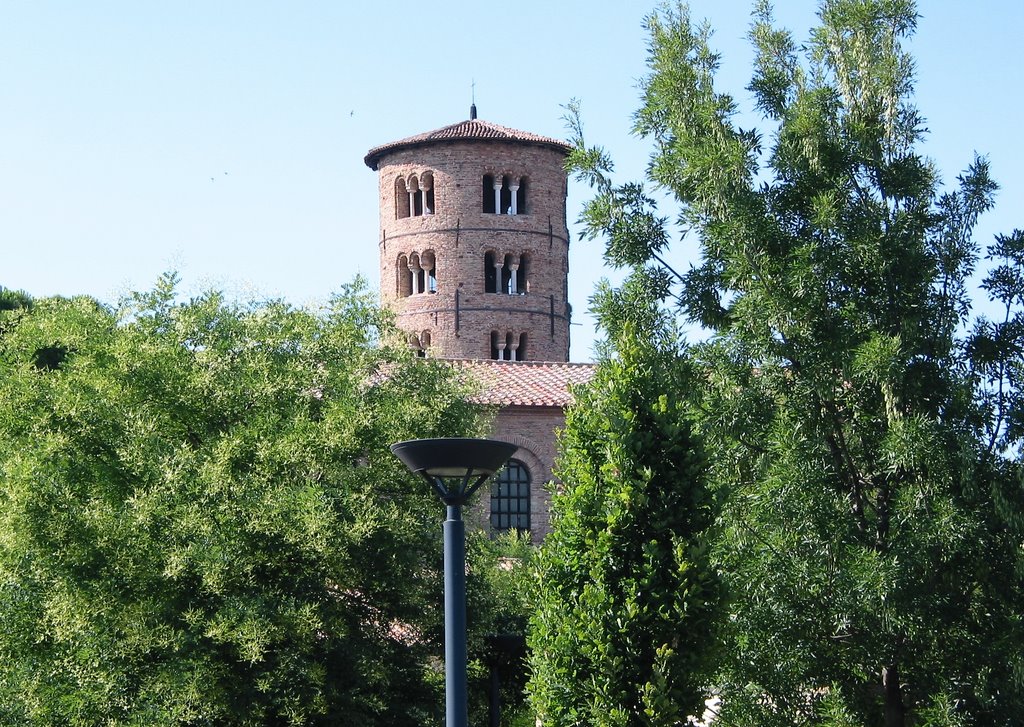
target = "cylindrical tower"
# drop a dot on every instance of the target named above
(474, 248)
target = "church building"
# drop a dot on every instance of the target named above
(474, 261)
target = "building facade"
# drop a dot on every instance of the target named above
(474, 261)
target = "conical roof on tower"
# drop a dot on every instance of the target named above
(468, 130)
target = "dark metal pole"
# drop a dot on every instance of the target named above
(456, 710)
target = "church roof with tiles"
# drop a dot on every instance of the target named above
(524, 383)
(468, 130)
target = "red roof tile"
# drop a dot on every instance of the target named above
(524, 383)
(469, 130)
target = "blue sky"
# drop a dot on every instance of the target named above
(225, 139)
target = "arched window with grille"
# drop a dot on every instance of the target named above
(510, 498)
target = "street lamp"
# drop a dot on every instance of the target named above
(455, 468)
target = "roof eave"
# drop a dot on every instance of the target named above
(373, 157)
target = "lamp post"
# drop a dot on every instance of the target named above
(455, 468)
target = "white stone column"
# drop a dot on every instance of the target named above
(497, 195)
(515, 198)
(424, 190)
(501, 351)
(412, 204)
(414, 271)
(513, 279)
(512, 351)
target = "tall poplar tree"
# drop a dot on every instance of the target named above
(862, 436)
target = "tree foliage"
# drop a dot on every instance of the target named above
(202, 523)
(862, 437)
(627, 600)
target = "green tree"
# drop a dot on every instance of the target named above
(201, 521)
(627, 600)
(861, 444)
(499, 602)
(14, 299)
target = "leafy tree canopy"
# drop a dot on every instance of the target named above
(202, 523)
(862, 431)
(627, 599)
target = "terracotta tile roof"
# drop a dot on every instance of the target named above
(469, 130)
(524, 383)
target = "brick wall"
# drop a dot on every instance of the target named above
(533, 429)
(460, 316)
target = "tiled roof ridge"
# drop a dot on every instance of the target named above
(524, 383)
(466, 130)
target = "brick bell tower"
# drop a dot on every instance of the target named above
(474, 247)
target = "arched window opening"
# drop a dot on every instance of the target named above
(401, 199)
(404, 279)
(521, 351)
(415, 197)
(427, 194)
(489, 200)
(506, 275)
(523, 275)
(428, 277)
(520, 200)
(424, 344)
(505, 194)
(510, 498)
(497, 346)
(414, 343)
(490, 274)
(415, 275)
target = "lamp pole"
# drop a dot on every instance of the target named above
(455, 468)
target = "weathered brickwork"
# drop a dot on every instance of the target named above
(474, 274)
(456, 240)
(533, 429)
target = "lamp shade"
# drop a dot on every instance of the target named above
(454, 457)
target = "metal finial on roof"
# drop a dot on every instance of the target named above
(472, 105)
(472, 111)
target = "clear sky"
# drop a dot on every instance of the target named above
(225, 139)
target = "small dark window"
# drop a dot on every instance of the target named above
(490, 274)
(522, 203)
(506, 275)
(510, 498)
(488, 194)
(521, 351)
(496, 353)
(506, 197)
(425, 197)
